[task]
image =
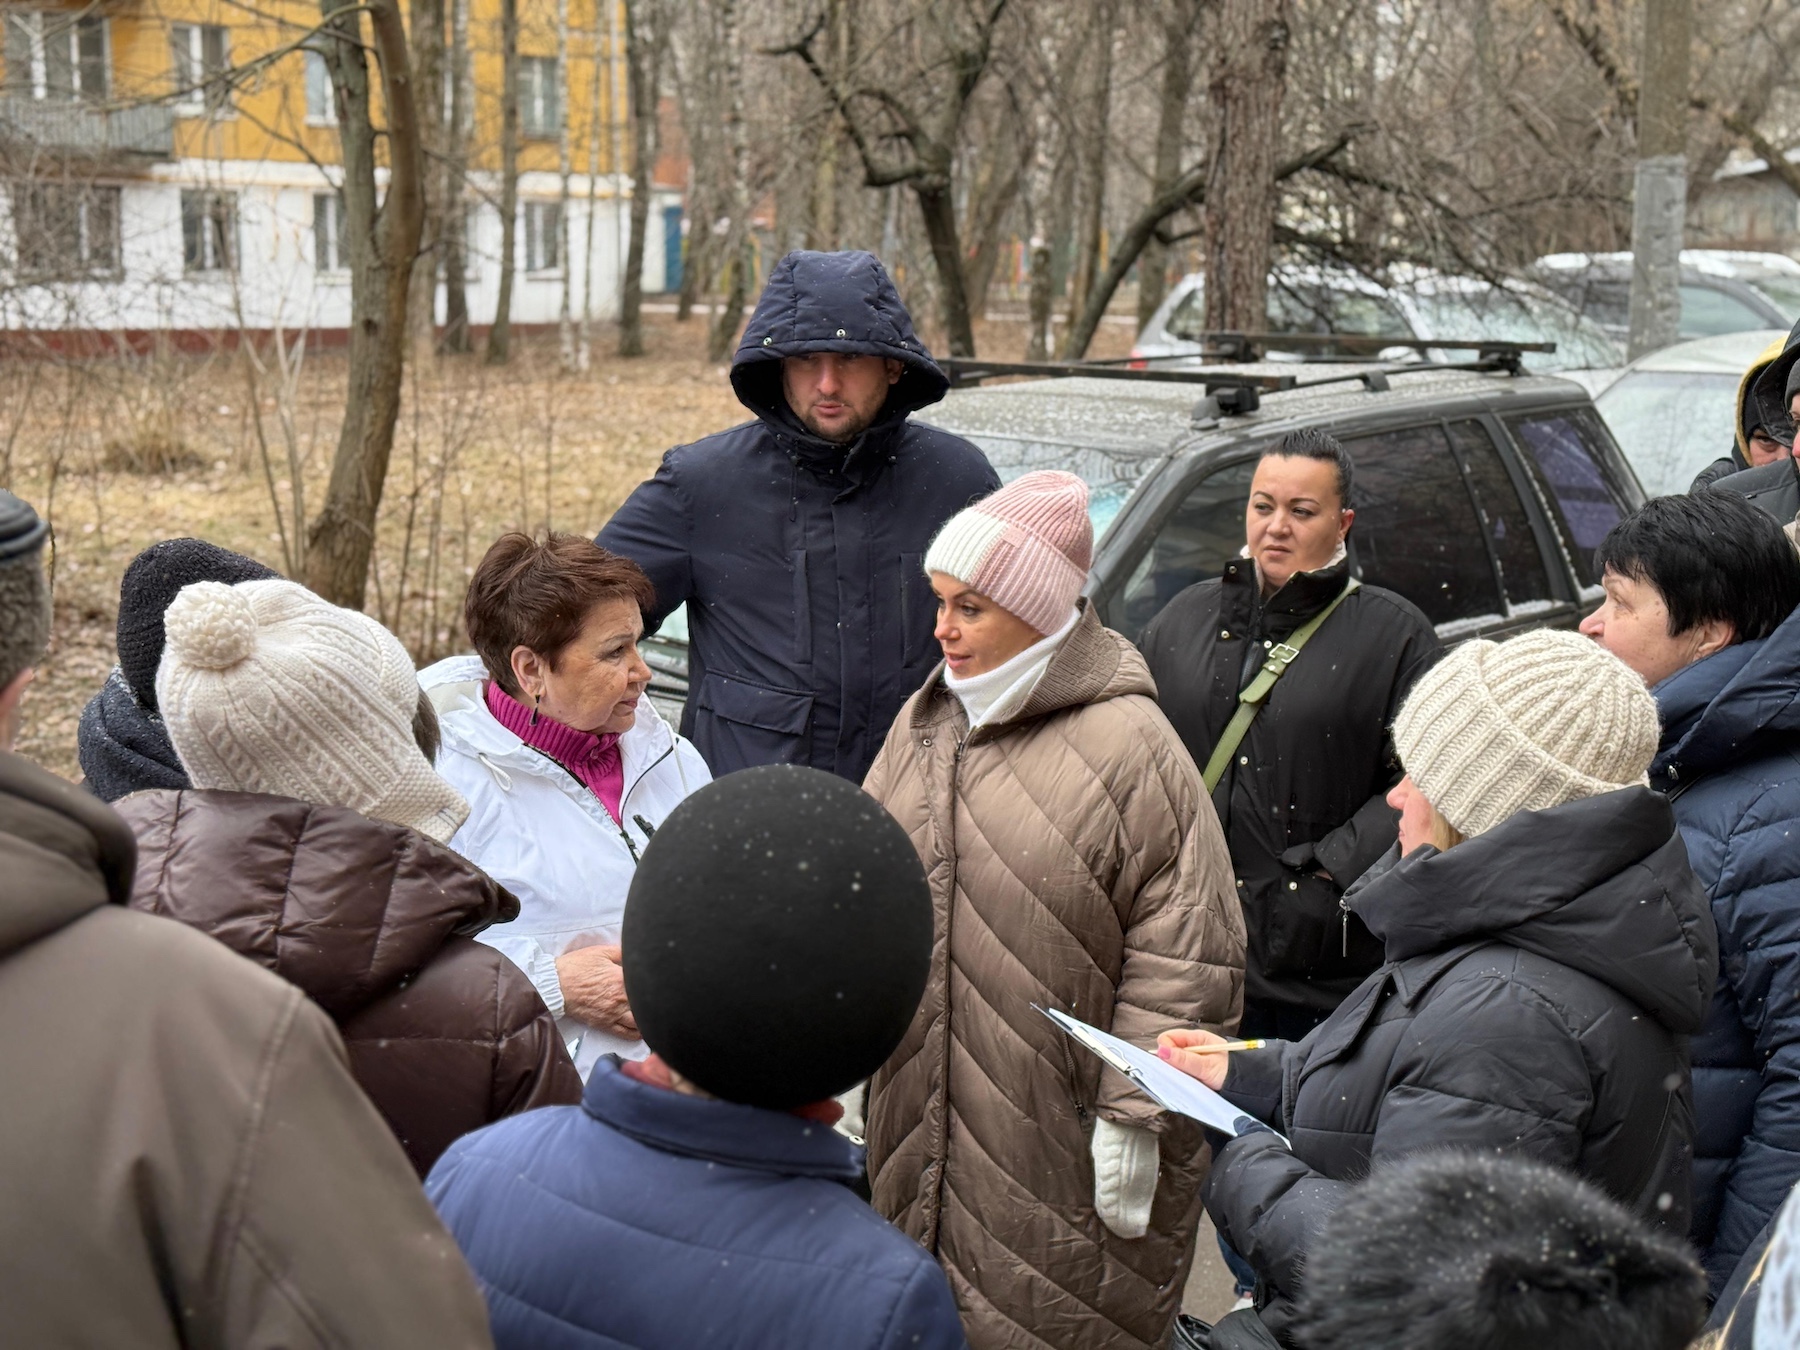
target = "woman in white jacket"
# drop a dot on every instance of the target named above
(566, 766)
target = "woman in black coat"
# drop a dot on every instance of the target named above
(1548, 952)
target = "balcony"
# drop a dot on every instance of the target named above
(59, 127)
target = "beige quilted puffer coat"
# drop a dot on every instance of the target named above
(1075, 863)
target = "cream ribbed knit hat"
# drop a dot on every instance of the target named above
(1027, 548)
(265, 687)
(1523, 725)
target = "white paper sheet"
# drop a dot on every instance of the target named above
(1163, 1083)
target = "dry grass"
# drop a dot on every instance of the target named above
(120, 453)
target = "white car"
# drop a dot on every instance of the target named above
(1674, 411)
(1722, 290)
(1421, 305)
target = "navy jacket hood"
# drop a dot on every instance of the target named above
(1569, 884)
(831, 302)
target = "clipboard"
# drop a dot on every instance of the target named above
(1162, 1083)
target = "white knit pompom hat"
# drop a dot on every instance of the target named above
(267, 688)
(1027, 548)
(1524, 725)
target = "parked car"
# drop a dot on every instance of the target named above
(1674, 411)
(1722, 290)
(1481, 496)
(1421, 305)
(1439, 305)
(1300, 300)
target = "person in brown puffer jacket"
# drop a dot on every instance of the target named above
(313, 844)
(1075, 863)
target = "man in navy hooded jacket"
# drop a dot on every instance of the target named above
(1701, 601)
(797, 540)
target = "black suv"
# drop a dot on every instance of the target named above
(1480, 495)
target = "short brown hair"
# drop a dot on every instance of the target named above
(538, 592)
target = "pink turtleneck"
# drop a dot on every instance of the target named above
(593, 758)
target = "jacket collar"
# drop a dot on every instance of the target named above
(63, 851)
(1304, 595)
(719, 1132)
(454, 686)
(1727, 707)
(1601, 885)
(1093, 664)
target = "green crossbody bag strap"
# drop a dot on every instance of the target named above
(1256, 693)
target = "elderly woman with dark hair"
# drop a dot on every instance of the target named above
(566, 766)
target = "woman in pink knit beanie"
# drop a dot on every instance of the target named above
(1075, 863)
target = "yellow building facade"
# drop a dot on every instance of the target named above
(174, 165)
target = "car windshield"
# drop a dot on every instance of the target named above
(1670, 424)
(1505, 316)
(1109, 474)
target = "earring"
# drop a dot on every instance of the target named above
(537, 703)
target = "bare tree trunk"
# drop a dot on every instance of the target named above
(1091, 165)
(456, 190)
(565, 317)
(584, 352)
(383, 243)
(741, 257)
(1179, 17)
(428, 83)
(938, 210)
(1248, 81)
(642, 52)
(1659, 203)
(499, 343)
(1037, 342)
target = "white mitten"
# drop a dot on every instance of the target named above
(855, 1102)
(1125, 1163)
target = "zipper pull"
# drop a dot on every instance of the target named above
(1344, 911)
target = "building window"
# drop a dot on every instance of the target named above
(321, 102)
(331, 246)
(543, 236)
(56, 55)
(538, 114)
(66, 232)
(200, 56)
(208, 231)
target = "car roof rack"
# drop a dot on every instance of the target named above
(1249, 346)
(1233, 394)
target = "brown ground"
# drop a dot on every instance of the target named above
(480, 450)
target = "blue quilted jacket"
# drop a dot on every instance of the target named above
(649, 1219)
(1730, 763)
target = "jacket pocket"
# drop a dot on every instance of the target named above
(912, 604)
(753, 723)
(802, 609)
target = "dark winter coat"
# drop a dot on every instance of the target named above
(809, 614)
(1730, 762)
(1311, 797)
(650, 1219)
(185, 1160)
(376, 923)
(1541, 981)
(123, 746)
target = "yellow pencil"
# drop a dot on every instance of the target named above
(1220, 1047)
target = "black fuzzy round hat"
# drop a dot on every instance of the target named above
(777, 937)
(150, 584)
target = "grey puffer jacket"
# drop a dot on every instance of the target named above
(1541, 983)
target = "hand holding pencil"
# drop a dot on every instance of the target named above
(1201, 1054)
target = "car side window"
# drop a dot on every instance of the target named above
(1193, 544)
(1706, 312)
(1416, 531)
(1565, 453)
(1507, 528)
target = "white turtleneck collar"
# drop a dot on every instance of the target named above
(999, 693)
